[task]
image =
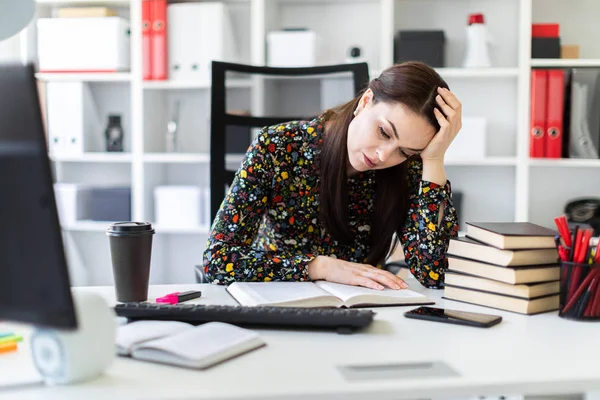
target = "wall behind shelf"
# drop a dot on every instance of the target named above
(551, 188)
(194, 117)
(451, 16)
(578, 22)
(488, 193)
(338, 25)
(494, 99)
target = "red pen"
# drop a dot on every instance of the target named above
(178, 297)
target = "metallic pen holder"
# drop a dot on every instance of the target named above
(579, 291)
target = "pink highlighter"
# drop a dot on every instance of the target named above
(178, 297)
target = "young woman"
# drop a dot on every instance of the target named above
(322, 199)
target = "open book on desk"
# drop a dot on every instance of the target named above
(320, 294)
(184, 345)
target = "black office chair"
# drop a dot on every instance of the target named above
(220, 177)
(221, 120)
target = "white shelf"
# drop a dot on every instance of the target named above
(176, 158)
(189, 158)
(490, 161)
(478, 72)
(121, 3)
(99, 157)
(565, 62)
(84, 76)
(166, 85)
(199, 230)
(565, 162)
(88, 226)
(102, 226)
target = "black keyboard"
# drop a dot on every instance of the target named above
(341, 319)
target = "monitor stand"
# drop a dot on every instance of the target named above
(65, 357)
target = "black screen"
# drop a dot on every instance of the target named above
(34, 281)
(454, 316)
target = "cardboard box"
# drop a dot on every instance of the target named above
(569, 51)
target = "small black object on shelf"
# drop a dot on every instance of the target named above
(427, 46)
(114, 133)
(545, 47)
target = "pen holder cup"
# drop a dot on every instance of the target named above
(579, 291)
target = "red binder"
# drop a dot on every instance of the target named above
(537, 120)
(158, 39)
(146, 38)
(554, 108)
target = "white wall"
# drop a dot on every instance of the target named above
(9, 49)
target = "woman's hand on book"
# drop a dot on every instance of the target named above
(340, 271)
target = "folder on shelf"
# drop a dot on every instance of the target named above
(537, 132)
(584, 118)
(146, 39)
(158, 39)
(555, 112)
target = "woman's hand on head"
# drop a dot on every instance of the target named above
(340, 271)
(449, 115)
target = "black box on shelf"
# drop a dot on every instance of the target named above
(420, 45)
(545, 47)
(110, 203)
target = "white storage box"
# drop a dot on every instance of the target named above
(72, 202)
(198, 33)
(179, 206)
(292, 48)
(83, 44)
(470, 142)
(73, 124)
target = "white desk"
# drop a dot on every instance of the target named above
(541, 354)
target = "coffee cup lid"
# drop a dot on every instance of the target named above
(130, 227)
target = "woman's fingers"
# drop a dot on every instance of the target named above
(450, 98)
(366, 282)
(448, 111)
(441, 118)
(385, 278)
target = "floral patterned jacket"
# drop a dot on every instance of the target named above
(267, 227)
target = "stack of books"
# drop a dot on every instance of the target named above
(510, 266)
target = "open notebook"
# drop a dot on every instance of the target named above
(320, 294)
(185, 345)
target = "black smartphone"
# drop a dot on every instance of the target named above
(454, 316)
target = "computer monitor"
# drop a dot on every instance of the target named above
(34, 280)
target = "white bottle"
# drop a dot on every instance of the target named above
(477, 43)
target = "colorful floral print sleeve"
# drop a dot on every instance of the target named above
(267, 227)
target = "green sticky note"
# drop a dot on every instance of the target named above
(12, 338)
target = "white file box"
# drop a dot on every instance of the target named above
(292, 48)
(83, 44)
(178, 206)
(72, 202)
(197, 34)
(470, 142)
(73, 124)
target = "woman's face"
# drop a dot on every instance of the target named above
(384, 135)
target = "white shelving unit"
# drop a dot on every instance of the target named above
(84, 77)
(506, 185)
(98, 157)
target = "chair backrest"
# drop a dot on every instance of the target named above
(220, 177)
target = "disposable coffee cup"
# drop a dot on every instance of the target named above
(131, 250)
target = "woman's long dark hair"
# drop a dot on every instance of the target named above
(412, 84)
